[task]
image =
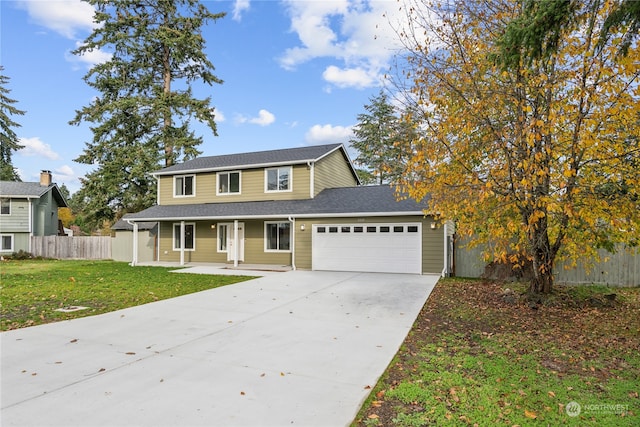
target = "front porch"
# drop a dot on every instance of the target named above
(220, 268)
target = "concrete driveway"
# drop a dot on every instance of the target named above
(298, 348)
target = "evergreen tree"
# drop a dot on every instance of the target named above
(8, 139)
(142, 115)
(373, 136)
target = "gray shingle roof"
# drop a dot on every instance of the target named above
(348, 201)
(124, 225)
(253, 159)
(16, 189)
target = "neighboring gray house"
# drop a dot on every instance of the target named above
(28, 209)
(122, 241)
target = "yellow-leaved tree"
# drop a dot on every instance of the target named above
(540, 160)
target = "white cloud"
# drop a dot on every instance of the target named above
(65, 17)
(90, 58)
(64, 174)
(350, 77)
(240, 6)
(265, 118)
(357, 33)
(218, 115)
(327, 134)
(34, 147)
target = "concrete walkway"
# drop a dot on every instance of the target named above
(298, 348)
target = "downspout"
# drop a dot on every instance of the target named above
(134, 256)
(445, 269)
(312, 168)
(293, 242)
(30, 224)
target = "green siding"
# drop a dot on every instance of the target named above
(206, 245)
(333, 171)
(252, 188)
(18, 220)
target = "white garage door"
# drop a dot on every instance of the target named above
(381, 248)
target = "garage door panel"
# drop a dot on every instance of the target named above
(396, 251)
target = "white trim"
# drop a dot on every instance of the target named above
(218, 193)
(283, 215)
(266, 179)
(182, 225)
(13, 242)
(266, 237)
(227, 225)
(193, 185)
(10, 203)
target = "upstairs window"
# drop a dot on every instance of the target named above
(5, 206)
(279, 179)
(184, 186)
(228, 183)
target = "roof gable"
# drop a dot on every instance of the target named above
(253, 160)
(30, 190)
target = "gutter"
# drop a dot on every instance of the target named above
(283, 215)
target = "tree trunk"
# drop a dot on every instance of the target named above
(543, 259)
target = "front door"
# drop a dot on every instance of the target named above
(231, 244)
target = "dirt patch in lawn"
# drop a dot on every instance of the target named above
(481, 353)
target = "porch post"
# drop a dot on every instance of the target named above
(182, 242)
(134, 259)
(236, 244)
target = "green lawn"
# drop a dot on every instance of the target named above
(473, 358)
(32, 290)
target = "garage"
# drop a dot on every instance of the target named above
(380, 248)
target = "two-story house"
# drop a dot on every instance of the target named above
(300, 207)
(28, 209)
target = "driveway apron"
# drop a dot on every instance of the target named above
(294, 348)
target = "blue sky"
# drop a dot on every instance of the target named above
(295, 73)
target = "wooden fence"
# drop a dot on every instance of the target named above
(619, 269)
(75, 247)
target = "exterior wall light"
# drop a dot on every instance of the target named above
(433, 225)
(213, 226)
(302, 227)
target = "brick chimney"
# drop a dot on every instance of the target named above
(45, 178)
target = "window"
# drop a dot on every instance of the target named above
(358, 229)
(371, 229)
(333, 229)
(322, 229)
(346, 229)
(229, 183)
(223, 232)
(5, 206)
(412, 229)
(384, 229)
(183, 186)
(6, 242)
(189, 237)
(398, 229)
(278, 179)
(277, 236)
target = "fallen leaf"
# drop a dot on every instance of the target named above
(101, 370)
(530, 414)
(242, 393)
(381, 393)
(551, 394)
(282, 374)
(263, 374)
(368, 387)
(130, 353)
(376, 403)
(72, 279)
(74, 340)
(373, 417)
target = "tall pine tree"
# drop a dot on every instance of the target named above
(141, 118)
(8, 139)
